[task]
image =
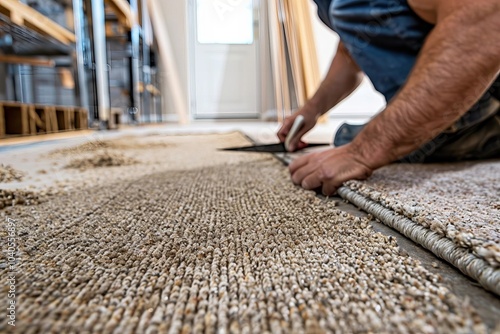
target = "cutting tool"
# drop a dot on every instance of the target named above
(279, 147)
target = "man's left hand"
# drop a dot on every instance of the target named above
(329, 169)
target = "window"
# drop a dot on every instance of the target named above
(225, 21)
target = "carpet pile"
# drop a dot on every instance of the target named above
(228, 247)
(459, 202)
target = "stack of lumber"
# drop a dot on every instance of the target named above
(25, 16)
(31, 119)
(293, 54)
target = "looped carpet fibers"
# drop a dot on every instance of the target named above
(229, 248)
(451, 209)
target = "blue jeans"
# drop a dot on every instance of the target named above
(384, 37)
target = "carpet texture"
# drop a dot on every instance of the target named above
(230, 247)
(460, 202)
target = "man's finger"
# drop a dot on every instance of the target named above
(300, 174)
(311, 181)
(298, 163)
(301, 145)
(329, 188)
(285, 128)
(282, 133)
(295, 142)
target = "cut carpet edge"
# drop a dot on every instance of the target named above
(469, 264)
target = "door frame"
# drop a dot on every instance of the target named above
(260, 44)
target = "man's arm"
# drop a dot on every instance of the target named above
(458, 62)
(343, 77)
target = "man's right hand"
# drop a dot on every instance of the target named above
(310, 119)
(341, 80)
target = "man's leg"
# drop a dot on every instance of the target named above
(478, 137)
(481, 141)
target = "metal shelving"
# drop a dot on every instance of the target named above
(76, 64)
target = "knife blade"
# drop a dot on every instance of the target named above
(269, 148)
(279, 147)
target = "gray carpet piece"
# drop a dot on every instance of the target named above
(460, 201)
(471, 265)
(226, 248)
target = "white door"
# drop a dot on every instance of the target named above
(225, 62)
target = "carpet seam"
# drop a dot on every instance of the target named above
(469, 264)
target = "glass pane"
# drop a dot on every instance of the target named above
(225, 21)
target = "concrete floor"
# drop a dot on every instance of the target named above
(21, 153)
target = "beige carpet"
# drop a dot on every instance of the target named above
(228, 246)
(458, 202)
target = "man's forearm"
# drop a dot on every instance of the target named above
(343, 77)
(457, 64)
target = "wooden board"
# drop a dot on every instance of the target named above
(2, 122)
(123, 11)
(284, 70)
(15, 118)
(24, 15)
(31, 119)
(81, 119)
(65, 118)
(275, 60)
(52, 126)
(32, 61)
(179, 98)
(294, 51)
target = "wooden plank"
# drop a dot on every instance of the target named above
(32, 61)
(294, 52)
(81, 119)
(308, 47)
(63, 121)
(287, 103)
(67, 80)
(51, 119)
(123, 11)
(179, 99)
(115, 29)
(71, 117)
(16, 118)
(2, 122)
(32, 120)
(24, 15)
(275, 59)
(38, 118)
(25, 120)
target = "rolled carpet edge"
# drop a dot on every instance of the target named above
(469, 264)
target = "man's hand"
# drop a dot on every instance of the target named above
(343, 77)
(329, 169)
(310, 119)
